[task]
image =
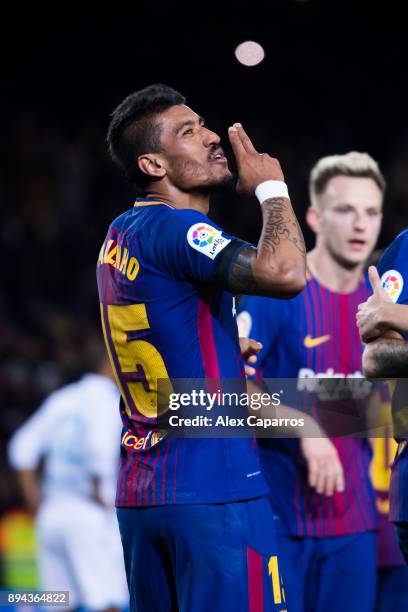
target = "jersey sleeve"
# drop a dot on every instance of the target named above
(262, 319)
(187, 245)
(29, 442)
(393, 270)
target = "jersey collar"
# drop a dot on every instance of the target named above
(150, 202)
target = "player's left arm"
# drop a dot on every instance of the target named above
(324, 468)
(380, 322)
(96, 492)
(30, 489)
(25, 452)
(102, 439)
(379, 313)
(264, 319)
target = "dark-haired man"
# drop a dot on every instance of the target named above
(195, 520)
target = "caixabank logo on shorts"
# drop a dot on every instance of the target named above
(206, 239)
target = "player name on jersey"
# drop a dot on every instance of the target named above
(111, 253)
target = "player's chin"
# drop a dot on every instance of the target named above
(355, 259)
(219, 174)
(218, 179)
(219, 168)
(222, 183)
(363, 255)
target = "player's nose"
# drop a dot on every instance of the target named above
(210, 138)
(360, 223)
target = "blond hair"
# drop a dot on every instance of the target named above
(352, 164)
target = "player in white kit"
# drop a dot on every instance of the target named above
(76, 431)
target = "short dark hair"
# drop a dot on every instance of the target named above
(133, 130)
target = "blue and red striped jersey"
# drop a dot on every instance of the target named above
(393, 269)
(388, 551)
(311, 335)
(164, 319)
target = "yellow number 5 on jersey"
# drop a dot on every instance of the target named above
(140, 363)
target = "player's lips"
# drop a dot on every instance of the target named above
(217, 156)
(357, 244)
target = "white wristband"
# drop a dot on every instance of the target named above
(271, 189)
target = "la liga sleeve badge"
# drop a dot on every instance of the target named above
(392, 282)
(206, 239)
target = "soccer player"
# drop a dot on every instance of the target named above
(321, 488)
(383, 324)
(392, 572)
(75, 432)
(194, 514)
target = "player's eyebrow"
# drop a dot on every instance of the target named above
(188, 123)
(367, 205)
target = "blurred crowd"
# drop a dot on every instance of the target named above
(58, 193)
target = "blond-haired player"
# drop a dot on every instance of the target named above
(321, 488)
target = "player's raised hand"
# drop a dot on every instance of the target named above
(253, 167)
(249, 350)
(372, 314)
(325, 472)
(375, 281)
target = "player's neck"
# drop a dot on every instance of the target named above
(181, 199)
(331, 274)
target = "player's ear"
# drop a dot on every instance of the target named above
(151, 165)
(313, 219)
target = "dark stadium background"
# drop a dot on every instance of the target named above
(333, 80)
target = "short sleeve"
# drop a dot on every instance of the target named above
(393, 269)
(29, 443)
(187, 245)
(261, 318)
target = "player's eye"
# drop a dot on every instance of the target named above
(188, 131)
(372, 212)
(343, 209)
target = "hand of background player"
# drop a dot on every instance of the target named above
(325, 472)
(372, 314)
(249, 350)
(253, 167)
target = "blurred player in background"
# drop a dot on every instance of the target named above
(75, 433)
(392, 588)
(383, 324)
(325, 502)
(194, 514)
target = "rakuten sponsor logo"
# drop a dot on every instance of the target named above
(331, 385)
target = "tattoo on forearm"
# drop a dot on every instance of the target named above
(280, 234)
(279, 226)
